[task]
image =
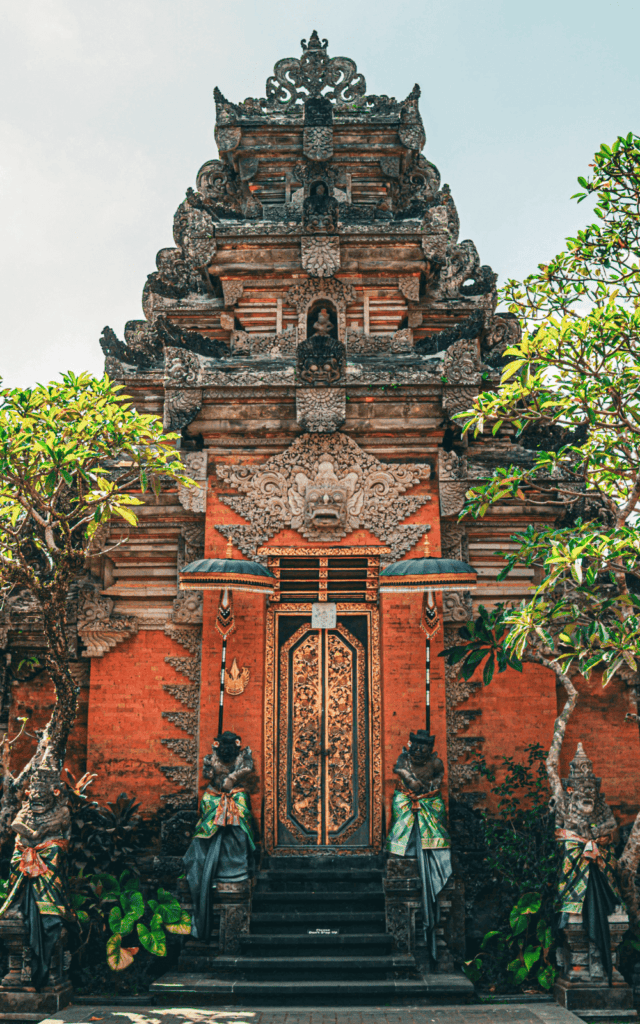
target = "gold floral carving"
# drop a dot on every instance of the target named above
(312, 734)
(236, 680)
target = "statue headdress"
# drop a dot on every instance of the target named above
(580, 771)
(46, 771)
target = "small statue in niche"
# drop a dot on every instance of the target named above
(586, 828)
(419, 824)
(37, 884)
(321, 358)
(320, 210)
(223, 846)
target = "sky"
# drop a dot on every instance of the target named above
(108, 113)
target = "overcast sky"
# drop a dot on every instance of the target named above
(107, 114)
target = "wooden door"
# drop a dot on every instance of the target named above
(324, 790)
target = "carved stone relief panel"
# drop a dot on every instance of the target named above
(301, 297)
(232, 292)
(326, 486)
(98, 628)
(409, 285)
(320, 255)
(194, 498)
(321, 410)
(359, 343)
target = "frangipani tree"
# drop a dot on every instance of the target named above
(571, 391)
(71, 453)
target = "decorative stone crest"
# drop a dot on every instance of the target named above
(99, 629)
(326, 486)
(320, 410)
(194, 498)
(295, 79)
(320, 255)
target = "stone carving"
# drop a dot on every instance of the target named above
(439, 341)
(320, 255)
(321, 410)
(320, 210)
(441, 217)
(409, 285)
(98, 628)
(313, 74)
(194, 232)
(219, 190)
(194, 498)
(359, 343)
(190, 544)
(186, 749)
(180, 367)
(274, 345)
(459, 273)
(222, 850)
(317, 142)
(419, 826)
(301, 296)
(325, 486)
(461, 364)
(37, 905)
(586, 831)
(454, 541)
(232, 292)
(411, 130)
(180, 408)
(184, 720)
(452, 497)
(321, 358)
(505, 331)
(187, 608)
(457, 606)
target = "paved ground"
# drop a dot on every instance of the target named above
(545, 1013)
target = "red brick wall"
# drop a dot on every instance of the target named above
(125, 719)
(34, 700)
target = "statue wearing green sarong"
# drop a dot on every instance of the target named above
(419, 824)
(223, 845)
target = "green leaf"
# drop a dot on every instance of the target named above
(531, 956)
(181, 927)
(117, 958)
(153, 939)
(168, 907)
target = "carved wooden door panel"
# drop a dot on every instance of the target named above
(324, 786)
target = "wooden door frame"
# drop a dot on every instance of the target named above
(271, 729)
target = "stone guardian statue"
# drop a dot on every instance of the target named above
(223, 844)
(419, 824)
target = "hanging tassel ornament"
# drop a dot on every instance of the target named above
(430, 625)
(225, 625)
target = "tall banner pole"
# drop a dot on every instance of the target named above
(430, 624)
(225, 625)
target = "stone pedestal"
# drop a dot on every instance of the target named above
(232, 901)
(17, 993)
(403, 902)
(583, 983)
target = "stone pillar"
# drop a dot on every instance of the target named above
(583, 983)
(403, 901)
(17, 993)
(232, 900)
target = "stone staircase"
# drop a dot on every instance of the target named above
(316, 938)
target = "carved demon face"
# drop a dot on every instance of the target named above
(583, 799)
(41, 797)
(324, 507)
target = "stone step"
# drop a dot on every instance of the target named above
(204, 990)
(300, 943)
(307, 968)
(342, 899)
(286, 921)
(324, 881)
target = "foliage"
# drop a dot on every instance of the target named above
(72, 453)
(571, 392)
(104, 838)
(522, 857)
(482, 638)
(110, 907)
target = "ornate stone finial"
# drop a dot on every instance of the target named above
(425, 542)
(314, 42)
(580, 769)
(229, 551)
